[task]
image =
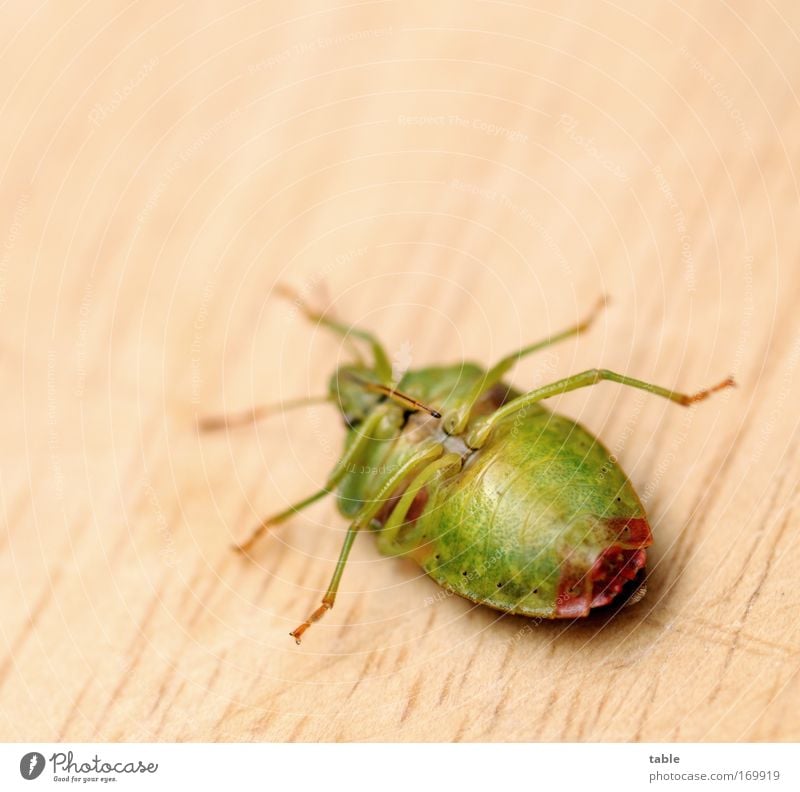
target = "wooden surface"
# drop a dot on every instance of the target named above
(462, 178)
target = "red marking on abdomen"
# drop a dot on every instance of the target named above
(634, 531)
(613, 569)
(572, 600)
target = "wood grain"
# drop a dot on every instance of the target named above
(461, 178)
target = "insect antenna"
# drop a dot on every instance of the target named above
(211, 423)
(407, 401)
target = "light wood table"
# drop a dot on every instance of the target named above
(461, 178)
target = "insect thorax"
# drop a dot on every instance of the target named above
(403, 432)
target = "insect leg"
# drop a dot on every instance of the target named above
(362, 519)
(383, 368)
(210, 423)
(366, 434)
(456, 422)
(437, 468)
(477, 437)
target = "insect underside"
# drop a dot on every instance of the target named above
(494, 496)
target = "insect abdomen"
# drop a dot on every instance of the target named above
(541, 521)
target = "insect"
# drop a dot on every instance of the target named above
(497, 498)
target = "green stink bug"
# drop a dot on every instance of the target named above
(497, 498)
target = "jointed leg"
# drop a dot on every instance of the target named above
(457, 420)
(383, 367)
(367, 434)
(362, 519)
(435, 469)
(211, 423)
(477, 437)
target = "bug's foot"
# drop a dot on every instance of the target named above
(257, 532)
(297, 633)
(211, 423)
(214, 423)
(231, 420)
(601, 304)
(729, 382)
(244, 547)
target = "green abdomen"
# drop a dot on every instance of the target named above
(542, 498)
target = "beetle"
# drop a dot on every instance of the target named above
(497, 498)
